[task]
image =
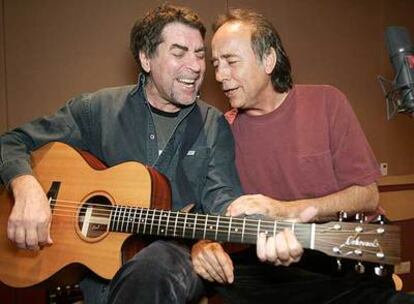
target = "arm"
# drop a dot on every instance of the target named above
(222, 183)
(351, 200)
(30, 218)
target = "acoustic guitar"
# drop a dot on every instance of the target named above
(95, 210)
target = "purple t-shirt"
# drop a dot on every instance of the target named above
(311, 146)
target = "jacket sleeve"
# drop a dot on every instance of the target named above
(222, 185)
(68, 125)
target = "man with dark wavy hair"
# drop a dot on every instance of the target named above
(298, 148)
(159, 122)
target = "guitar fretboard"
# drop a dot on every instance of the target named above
(200, 226)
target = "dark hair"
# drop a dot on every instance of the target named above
(264, 37)
(146, 33)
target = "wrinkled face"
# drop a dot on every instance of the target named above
(242, 76)
(177, 67)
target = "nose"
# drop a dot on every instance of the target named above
(196, 64)
(222, 73)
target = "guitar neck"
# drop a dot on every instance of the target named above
(200, 226)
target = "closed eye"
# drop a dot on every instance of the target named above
(178, 55)
(201, 55)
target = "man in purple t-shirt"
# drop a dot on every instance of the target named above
(298, 148)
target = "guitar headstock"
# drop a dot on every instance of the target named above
(363, 242)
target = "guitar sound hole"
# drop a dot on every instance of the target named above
(94, 216)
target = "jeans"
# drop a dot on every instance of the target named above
(162, 272)
(314, 279)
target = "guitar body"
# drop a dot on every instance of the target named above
(76, 240)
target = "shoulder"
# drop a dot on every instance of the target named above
(320, 97)
(108, 98)
(318, 91)
(111, 94)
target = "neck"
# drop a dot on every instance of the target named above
(269, 101)
(157, 101)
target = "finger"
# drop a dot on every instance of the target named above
(238, 206)
(226, 265)
(43, 234)
(211, 271)
(202, 272)
(235, 210)
(295, 248)
(49, 235)
(271, 255)
(213, 266)
(32, 241)
(228, 210)
(282, 250)
(11, 231)
(20, 237)
(261, 247)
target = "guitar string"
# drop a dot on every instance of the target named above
(178, 223)
(322, 243)
(159, 217)
(152, 214)
(104, 210)
(179, 227)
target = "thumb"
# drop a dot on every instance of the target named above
(49, 238)
(308, 214)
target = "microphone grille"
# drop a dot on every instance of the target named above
(397, 40)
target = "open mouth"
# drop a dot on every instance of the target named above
(187, 82)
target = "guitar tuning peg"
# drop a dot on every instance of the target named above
(360, 268)
(360, 217)
(338, 264)
(380, 271)
(342, 216)
(381, 219)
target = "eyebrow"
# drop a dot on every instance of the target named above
(178, 46)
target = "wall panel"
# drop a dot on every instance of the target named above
(3, 105)
(57, 49)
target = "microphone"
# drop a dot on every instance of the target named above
(400, 93)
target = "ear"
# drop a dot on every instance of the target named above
(145, 61)
(269, 61)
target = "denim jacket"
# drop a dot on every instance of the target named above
(116, 125)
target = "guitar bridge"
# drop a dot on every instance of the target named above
(53, 193)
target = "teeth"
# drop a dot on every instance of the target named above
(187, 81)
